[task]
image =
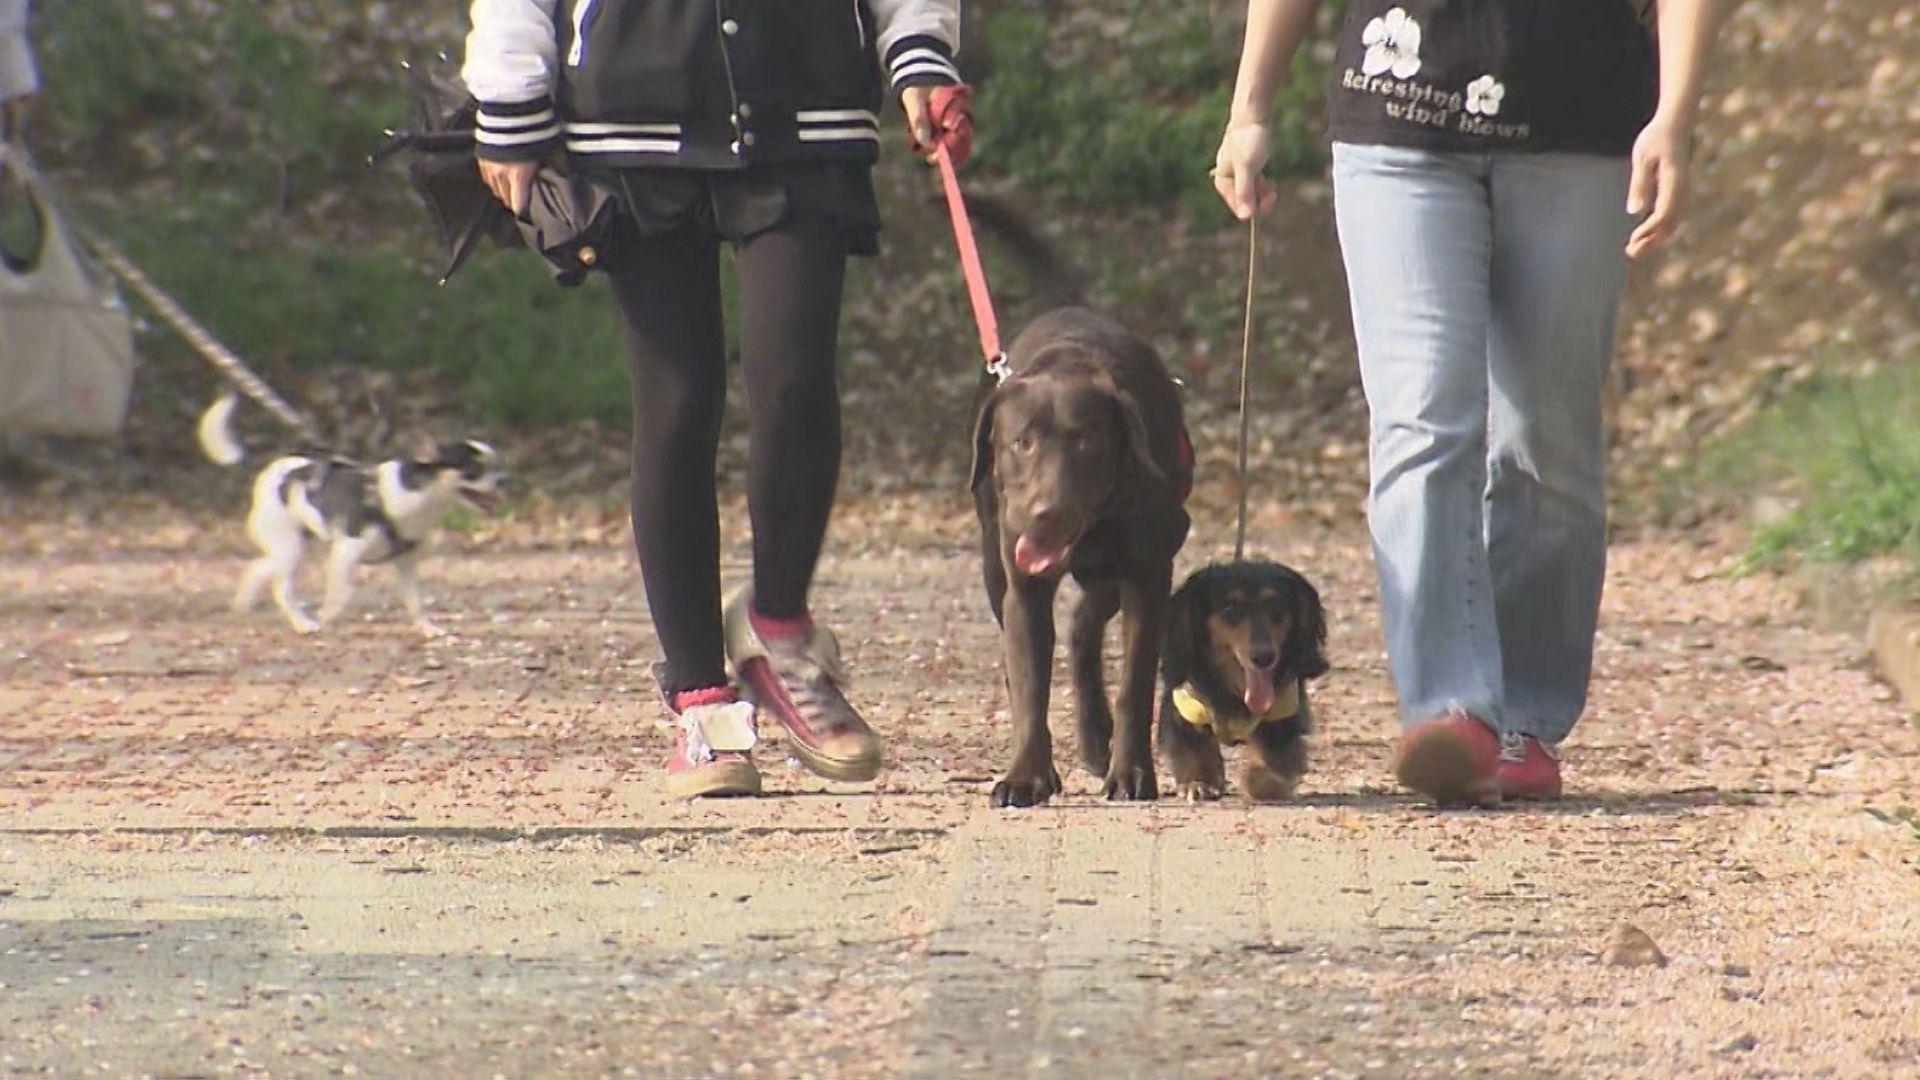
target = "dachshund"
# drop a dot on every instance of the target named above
(1243, 638)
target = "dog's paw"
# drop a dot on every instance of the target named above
(1264, 785)
(1131, 784)
(304, 625)
(427, 628)
(1026, 790)
(1196, 791)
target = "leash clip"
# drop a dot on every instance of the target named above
(1000, 369)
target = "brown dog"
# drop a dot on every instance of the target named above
(1080, 466)
(1243, 638)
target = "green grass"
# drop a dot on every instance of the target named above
(1128, 117)
(261, 219)
(222, 144)
(526, 350)
(142, 81)
(1849, 450)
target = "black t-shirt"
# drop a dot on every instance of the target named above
(1493, 75)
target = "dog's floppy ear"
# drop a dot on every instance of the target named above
(1133, 429)
(1307, 639)
(983, 440)
(1184, 627)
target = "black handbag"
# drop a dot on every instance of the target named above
(569, 221)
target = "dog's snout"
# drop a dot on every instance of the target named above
(1046, 519)
(1264, 657)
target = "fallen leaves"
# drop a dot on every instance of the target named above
(1629, 946)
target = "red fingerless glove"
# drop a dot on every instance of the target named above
(952, 116)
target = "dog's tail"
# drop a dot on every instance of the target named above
(1058, 282)
(217, 440)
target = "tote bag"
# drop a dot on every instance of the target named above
(66, 340)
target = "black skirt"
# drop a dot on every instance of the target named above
(739, 205)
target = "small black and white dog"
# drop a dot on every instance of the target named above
(364, 514)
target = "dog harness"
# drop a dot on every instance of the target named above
(1234, 729)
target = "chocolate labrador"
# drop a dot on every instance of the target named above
(1081, 466)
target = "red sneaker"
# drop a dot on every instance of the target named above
(797, 677)
(1529, 768)
(1452, 760)
(713, 752)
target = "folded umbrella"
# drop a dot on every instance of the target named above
(568, 220)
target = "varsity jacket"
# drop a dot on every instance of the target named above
(698, 84)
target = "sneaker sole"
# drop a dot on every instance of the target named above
(852, 770)
(730, 779)
(1444, 768)
(1519, 794)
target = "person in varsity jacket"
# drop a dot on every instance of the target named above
(752, 122)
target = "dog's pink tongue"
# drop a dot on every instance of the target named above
(1035, 558)
(1259, 696)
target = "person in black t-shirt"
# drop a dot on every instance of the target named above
(1490, 158)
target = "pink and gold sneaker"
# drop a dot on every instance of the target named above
(791, 668)
(713, 750)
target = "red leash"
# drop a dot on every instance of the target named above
(953, 123)
(953, 140)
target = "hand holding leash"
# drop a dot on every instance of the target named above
(940, 117)
(1237, 170)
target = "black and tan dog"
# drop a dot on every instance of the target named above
(1243, 638)
(1080, 466)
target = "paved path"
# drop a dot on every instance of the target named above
(227, 851)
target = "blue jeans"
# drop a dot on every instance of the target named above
(1485, 288)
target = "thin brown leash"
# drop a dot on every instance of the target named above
(196, 335)
(169, 310)
(1246, 364)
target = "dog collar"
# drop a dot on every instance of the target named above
(1234, 729)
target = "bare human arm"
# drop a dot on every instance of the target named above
(1663, 154)
(19, 82)
(1275, 29)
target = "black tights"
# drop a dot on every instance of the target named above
(668, 291)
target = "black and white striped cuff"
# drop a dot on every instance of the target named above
(921, 60)
(516, 131)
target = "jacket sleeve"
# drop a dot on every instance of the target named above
(17, 75)
(511, 65)
(918, 40)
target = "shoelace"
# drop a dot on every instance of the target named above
(1513, 747)
(806, 695)
(809, 686)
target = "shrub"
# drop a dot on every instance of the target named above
(1850, 449)
(1125, 111)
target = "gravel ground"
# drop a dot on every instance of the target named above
(229, 851)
